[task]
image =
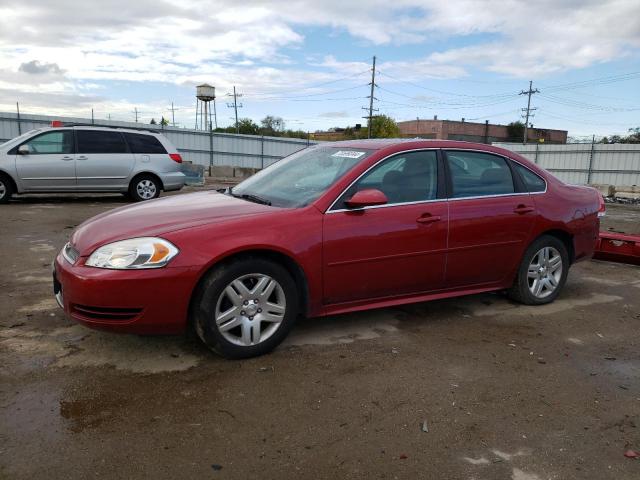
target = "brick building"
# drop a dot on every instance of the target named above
(474, 132)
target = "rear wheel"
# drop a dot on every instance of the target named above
(144, 187)
(6, 189)
(542, 273)
(245, 308)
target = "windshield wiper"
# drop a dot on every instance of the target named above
(252, 198)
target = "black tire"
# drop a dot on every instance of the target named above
(521, 291)
(212, 291)
(144, 187)
(6, 188)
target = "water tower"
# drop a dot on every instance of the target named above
(205, 94)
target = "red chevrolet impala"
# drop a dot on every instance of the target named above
(334, 228)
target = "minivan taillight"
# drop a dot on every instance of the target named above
(176, 157)
(602, 209)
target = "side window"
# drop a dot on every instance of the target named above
(58, 142)
(406, 177)
(100, 141)
(532, 181)
(140, 143)
(476, 174)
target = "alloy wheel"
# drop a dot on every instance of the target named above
(250, 309)
(544, 272)
(146, 189)
(3, 190)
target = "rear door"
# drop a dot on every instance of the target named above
(103, 160)
(147, 149)
(50, 163)
(389, 250)
(490, 218)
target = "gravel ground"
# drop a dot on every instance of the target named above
(471, 388)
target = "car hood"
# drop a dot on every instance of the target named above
(157, 217)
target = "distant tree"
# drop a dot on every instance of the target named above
(383, 126)
(248, 126)
(153, 121)
(272, 125)
(515, 130)
(164, 122)
(634, 137)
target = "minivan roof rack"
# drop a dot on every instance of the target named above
(76, 124)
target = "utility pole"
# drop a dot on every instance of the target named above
(173, 115)
(371, 97)
(528, 110)
(135, 110)
(235, 105)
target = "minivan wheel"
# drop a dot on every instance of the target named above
(144, 187)
(6, 189)
(542, 272)
(245, 308)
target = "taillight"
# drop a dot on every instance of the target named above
(56, 123)
(176, 157)
(602, 209)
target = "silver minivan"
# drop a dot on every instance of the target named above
(137, 163)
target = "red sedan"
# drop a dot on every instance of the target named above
(335, 228)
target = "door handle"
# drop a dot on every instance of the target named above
(427, 218)
(66, 159)
(522, 209)
(81, 157)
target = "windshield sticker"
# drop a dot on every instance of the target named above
(348, 154)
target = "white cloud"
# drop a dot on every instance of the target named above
(74, 44)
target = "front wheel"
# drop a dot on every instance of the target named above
(542, 273)
(245, 308)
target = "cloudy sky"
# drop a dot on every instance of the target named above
(309, 61)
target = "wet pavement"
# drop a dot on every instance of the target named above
(507, 391)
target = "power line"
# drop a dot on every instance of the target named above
(528, 110)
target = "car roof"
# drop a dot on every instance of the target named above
(383, 143)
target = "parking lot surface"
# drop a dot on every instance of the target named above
(473, 388)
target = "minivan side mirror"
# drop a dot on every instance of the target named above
(23, 150)
(367, 198)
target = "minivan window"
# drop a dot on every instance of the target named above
(475, 174)
(100, 141)
(140, 143)
(58, 142)
(532, 181)
(403, 178)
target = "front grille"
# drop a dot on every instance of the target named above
(105, 313)
(70, 253)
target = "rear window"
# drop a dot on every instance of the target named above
(140, 143)
(100, 141)
(475, 174)
(532, 181)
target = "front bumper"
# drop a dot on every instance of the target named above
(154, 301)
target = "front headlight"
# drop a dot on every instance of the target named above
(135, 253)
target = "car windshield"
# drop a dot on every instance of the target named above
(299, 179)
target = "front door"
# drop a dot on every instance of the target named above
(50, 163)
(104, 161)
(489, 219)
(389, 250)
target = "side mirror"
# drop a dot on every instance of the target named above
(23, 150)
(367, 198)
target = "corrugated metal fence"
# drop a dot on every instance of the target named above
(228, 149)
(585, 163)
